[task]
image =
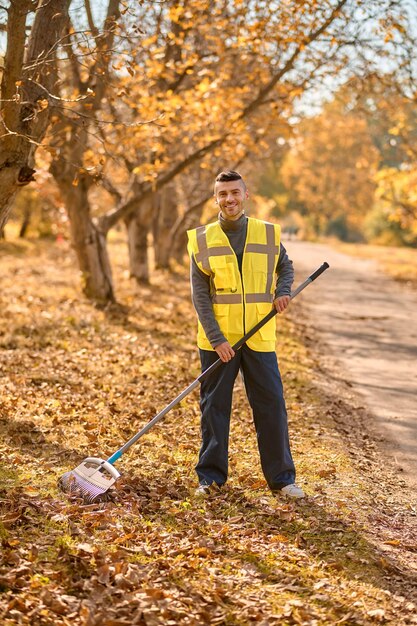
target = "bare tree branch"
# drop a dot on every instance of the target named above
(266, 89)
(90, 19)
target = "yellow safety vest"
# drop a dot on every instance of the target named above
(239, 301)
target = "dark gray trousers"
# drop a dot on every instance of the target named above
(263, 386)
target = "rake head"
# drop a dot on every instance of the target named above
(91, 480)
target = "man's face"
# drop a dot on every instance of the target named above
(230, 196)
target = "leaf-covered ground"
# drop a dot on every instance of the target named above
(79, 381)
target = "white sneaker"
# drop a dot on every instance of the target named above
(202, 491)
(293, 491)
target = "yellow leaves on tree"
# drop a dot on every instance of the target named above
(330, 169)
(397, 193)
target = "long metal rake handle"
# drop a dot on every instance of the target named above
(112, 459)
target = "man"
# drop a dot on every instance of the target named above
(233, 263)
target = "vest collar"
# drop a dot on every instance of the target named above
(232, 225)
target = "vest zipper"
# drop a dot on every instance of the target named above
(242, 282)
(241, 275)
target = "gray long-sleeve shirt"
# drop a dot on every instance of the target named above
(200, 283)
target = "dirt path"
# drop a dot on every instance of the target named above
(369, 322)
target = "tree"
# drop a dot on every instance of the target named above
(330, 170)
(394, 115)
(387, 105)
(27, 91)
(88, 82)
(394, 216)
(216, 81)
(208, 84)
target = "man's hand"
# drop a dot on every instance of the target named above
(281, 303)
(225, 351)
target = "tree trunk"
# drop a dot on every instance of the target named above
(88, 237)
(180, 247)
(191, 218)
(90, 246)
(88, 241)
(138, 227)
(137, 236)
(25, 93)
(164, 221)
(27, 214)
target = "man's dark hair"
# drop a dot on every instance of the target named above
(228, 175)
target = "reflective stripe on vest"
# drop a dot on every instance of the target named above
(270, 249)
(227, 298)
(203, 254)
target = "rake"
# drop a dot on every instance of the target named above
(93, 478)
